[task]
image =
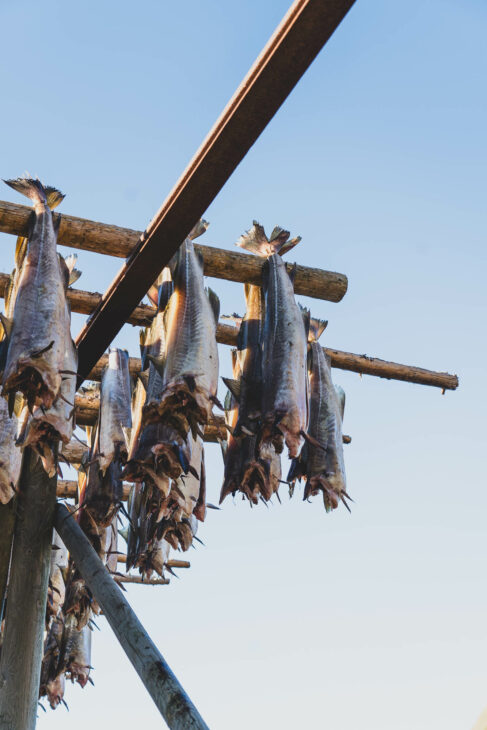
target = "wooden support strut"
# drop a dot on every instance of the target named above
(170, 698)
(296, 42)
(22, 649)
(111, 240)
(85, 302)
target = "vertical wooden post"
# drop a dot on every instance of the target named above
(20, 661)
(7, 521)
(170, 698)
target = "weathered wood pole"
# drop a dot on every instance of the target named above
(7, 521)
(20, 661)
(170, 698)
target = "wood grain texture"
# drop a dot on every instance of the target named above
(170, 698)
(7, 522)
(217, 262)
(22, 650)
(85, 302)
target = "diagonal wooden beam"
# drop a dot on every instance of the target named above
(296, 42)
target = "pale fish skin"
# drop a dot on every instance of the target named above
(284, 349)
(10, 454)
(324, 468)
(115, 408)
(57, 575)
(191, 363)
(36, 346)
(79, 655)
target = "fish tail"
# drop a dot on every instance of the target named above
(256, 241)
(316, 328)
(36, 191)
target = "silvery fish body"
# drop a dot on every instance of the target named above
(57, 573)
(285, 407)
(323, 466)
(10, 454)
(190, 370)
(325, 469)
(36, 347)
(115, 413)
(77, 654)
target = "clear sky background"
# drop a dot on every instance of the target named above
(290, 617)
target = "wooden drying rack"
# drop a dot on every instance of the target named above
(296, 42)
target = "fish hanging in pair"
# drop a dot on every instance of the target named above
(322, 466)
(284, 403)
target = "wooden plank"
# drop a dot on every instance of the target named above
(170, 698)
(218, 262)
(296, 42)
(22, 650)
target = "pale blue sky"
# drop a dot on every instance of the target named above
(290, 617)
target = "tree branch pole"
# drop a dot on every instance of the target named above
(22, 650)
(218, 262)
(85, 302)
(87, 406)
(170, 698)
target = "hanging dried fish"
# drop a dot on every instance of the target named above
(77, 654)
(46, 427)
(322, 467)
(284, 397)
(189, 366)
(36, 348)
(57, 577)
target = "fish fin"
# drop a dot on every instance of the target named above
(7, 324)
(316, 328)
(18, 404)
(29, 187)
(144, 379)
(153, 295)
(235, 388)
(38, 353)
(311, 440)
(53, 197)
(74, 274)
(286, 247)
(11, 403)
(215, 400)
(198, 229)
(280, 235)
(255, 240)
(292, 273)
(340, 393)
(214, 303)
(21, 250)
(306, 319)
(165, 290)
(158, 363)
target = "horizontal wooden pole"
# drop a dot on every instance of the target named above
(87, 407)
(85, 302)
(170, 698)
(218, 262)
(68, 489)
(121, 558)
(143, 581)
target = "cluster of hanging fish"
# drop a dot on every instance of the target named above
(281, 392)
(38, 367)
(171, 406)
(67, 649)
